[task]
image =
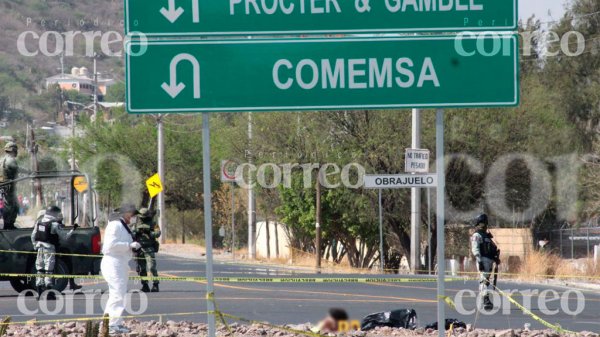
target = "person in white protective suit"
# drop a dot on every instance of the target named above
(117, 248)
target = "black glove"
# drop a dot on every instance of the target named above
(497, 260)
(75, 226)
(480, 266)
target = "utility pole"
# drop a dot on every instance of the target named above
(233, 220)
(318, 224)
(72, 139)
(33, 149)
(415, 205)
(251, 201)
(95, 90)
(161, 173)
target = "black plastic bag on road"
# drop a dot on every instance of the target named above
(402, 318)
(449, 321)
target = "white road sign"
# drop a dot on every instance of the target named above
(416, 161)
(401, 181)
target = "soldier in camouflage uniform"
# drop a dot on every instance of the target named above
(486, 254)
(145, 234)
(45, 238)
(9, 170)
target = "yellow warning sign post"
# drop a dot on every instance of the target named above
(154, 185)
(80, 184)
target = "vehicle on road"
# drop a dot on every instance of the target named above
(72, 192)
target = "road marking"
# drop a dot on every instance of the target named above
(283, 299)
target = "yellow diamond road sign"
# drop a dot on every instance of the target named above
(154, 185)
(80, 184)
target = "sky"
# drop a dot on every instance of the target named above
(540, 8)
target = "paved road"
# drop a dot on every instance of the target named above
(303, 302)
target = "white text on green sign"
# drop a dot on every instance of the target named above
(314, 74)
(249, 17)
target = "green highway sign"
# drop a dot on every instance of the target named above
(468, 70)
(272, 17)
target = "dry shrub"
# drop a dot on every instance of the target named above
(590, 268)
(566, 268)
(584, 269)
(537, 264)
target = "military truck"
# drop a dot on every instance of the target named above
(73, 193)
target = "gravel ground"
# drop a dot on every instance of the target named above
(188, 329)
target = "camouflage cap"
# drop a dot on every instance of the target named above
(146, 213)
(10, 147)
(54, 212)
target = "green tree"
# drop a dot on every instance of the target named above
(116, 93)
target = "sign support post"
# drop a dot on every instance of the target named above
(441, 187)
(208, 223)
(429, 230)
(381, 259)
(415, 204)
(233, 221)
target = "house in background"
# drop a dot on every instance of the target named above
(82, 81)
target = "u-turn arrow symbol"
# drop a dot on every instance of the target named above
(174, 88)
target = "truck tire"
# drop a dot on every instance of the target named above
(60, 284)
(19, 284)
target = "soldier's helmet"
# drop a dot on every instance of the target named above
(10, 147)
(146, 213)
(54, 212)
(481, 219)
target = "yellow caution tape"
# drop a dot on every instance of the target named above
(211, 297)
(537, 318)
(99, 256)
(56, 254)
(96, 256)
(99, 318)
(245, 279)
(448, 301)
(548, 276)
(528, 312)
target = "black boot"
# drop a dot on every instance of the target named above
(145, 288)
(155, 288)
(487, 303)
(50, 296)
(74, 286)
(40, 291)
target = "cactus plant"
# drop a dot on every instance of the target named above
(104, 326)
(96, 329)
(92, 329)
(4, 326)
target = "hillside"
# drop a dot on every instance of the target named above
(22, 76)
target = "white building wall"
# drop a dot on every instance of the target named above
(261, 240)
